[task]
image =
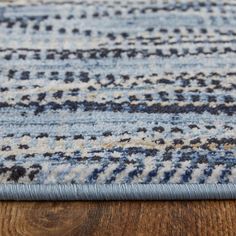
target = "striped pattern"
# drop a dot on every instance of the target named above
(118, 92)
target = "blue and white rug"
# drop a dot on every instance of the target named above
(121, 99)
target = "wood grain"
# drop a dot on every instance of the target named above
(118, 218)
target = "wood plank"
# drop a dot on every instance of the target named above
(118, 218)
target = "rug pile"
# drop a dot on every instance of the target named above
(117, 99)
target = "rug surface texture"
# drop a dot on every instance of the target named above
(126, 99)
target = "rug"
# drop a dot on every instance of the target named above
(118, 99)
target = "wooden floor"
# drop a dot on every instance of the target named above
(118, 218)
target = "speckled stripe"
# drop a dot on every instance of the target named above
(117, 92)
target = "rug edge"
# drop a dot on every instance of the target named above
(37, 192)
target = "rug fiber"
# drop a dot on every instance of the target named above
(136, 96)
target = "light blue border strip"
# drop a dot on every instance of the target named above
(117, 192)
